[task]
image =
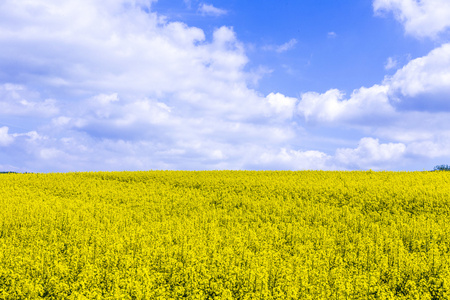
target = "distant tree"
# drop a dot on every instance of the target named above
(442, 168)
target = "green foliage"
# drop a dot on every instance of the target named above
(225, 235)
(442, 168)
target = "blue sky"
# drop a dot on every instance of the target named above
(336, 44)
(199, 85)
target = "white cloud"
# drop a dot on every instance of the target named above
(421, 18)
(438, 146)
(332, 34)
(255, 75)
(286, 46)
(414, 126)
(424, 75)
(411, 107)
(53, 154)
(123, 88)
(5, 138)
(288, 159)
(127, 50)
(390, 63)
(128, 83)
(332, 107)
(16, 100)
(370, 154)
(132, 53)
(283, 106)
(113, 119)
(210, 10)
(281, 48)
(322, 107)
(429, 149)
(422, 85)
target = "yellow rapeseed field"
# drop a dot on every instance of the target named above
(225, 235)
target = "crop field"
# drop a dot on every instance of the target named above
(225, 235)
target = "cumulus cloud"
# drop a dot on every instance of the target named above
(128, 50)
(414, 126)
(322, 107)
(105, 116)
(211, 10)
(370, 154)
(410, 107)
(419, 90)
(438, 146)
(127, 83)
(116, 86)
(5, 138)
(282, 105)
(332, 107)
(430, 73)
(421, 18)
(288, 159)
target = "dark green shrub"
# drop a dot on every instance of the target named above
(442, 168)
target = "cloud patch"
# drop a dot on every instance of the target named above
(286, 46)
(5, 138)
(282, 105)
(423, 83)
(211, 10)
(331, 106)
(371, 154)
(119, 87)
(289, 45)
(421, 18)
(331, 35)
(17, 100)
(289, 159)
(391, 63)
(437, 147)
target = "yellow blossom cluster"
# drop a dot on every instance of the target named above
(225, 235)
